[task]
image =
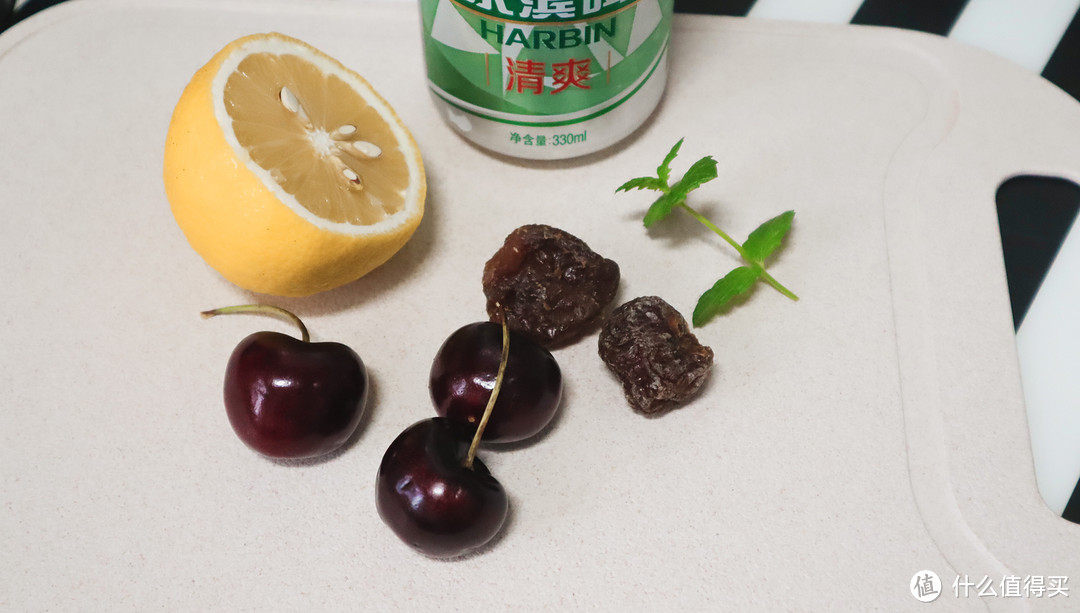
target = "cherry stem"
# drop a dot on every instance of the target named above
(261, 309)
(491, 399)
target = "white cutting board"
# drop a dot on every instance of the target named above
(873, 429)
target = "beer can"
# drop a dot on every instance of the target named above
(546, 79)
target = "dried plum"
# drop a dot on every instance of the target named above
(649, 347)
(550, 284)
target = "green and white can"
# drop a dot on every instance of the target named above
(546, 79)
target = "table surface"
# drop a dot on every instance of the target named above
(849, 427)
(1042, 36)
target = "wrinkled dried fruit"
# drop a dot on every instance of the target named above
(649, 347)
(551, 286)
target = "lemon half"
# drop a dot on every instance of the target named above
(287, 172)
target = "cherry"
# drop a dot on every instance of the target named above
(432, 490)
(290, 398)
(431, 499)
(463, 374)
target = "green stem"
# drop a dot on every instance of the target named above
(261, 309)
(710, 225)
(492, 398)
(776, 284)
(765, 276)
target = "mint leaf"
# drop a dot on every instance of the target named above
(701, 172)
(643, 183)
(734, 284)
(662, 208)
(664, 171)
(763, 241)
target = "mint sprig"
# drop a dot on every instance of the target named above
(759, 245)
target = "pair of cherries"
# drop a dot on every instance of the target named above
(488, 384)
(289, 398)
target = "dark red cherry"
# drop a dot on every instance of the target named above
(290, 398)
(431, 498)
(463, 375)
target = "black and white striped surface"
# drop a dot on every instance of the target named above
(1035, 213)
